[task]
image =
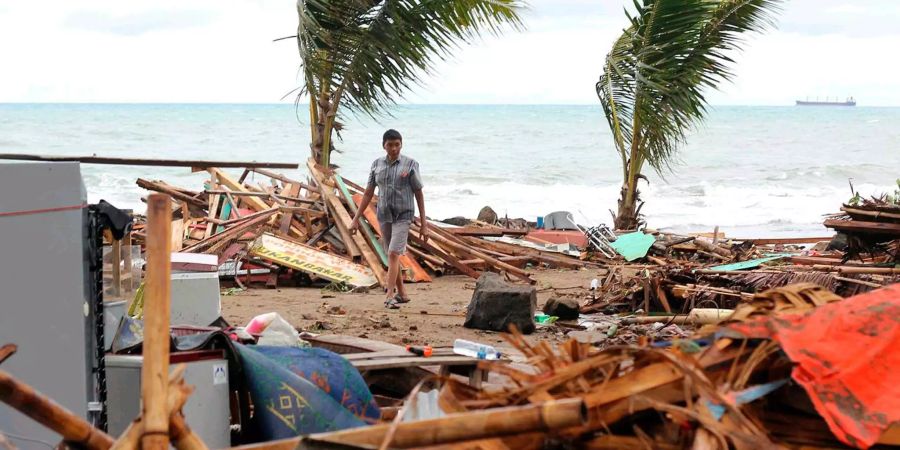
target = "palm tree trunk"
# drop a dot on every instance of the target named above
(626, 218)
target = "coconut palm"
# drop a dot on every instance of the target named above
(654, 79)
(363, 54)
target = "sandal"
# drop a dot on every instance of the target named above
(399, 299)
(391, 304)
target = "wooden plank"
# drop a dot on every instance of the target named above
(260, 194)
(254, 203)
(481, 255)
(472, 231)
(158, 186)
(177, 235)
(92, 159)
(280, 177)
(363, 224)
(450, 259)
(213, 211)
(310, 260)
(342, 218)
(415, 361)
(859, 226)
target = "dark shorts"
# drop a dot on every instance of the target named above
(394, 236)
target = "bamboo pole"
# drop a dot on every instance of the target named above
(155, 367)
(495, 422)
(50, 414)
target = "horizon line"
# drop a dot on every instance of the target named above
(398, 104)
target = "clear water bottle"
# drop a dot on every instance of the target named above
(475, 350)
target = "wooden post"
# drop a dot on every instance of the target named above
(155, 370)
(129, 269)
(115, 253)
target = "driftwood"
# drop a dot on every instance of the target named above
(709, 246)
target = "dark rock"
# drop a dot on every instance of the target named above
(497, 304)
(459, 221)
(838, 242)
(564, 308)
(487, 215)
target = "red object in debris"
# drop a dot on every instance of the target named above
(575, 237)
(420, 351)
(847, 360)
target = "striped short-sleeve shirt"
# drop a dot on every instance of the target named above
(397, 183)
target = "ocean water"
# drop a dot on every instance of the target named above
(752, 171)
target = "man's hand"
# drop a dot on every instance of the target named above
(423, 232)
(354, 225)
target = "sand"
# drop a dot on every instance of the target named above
(435, 315)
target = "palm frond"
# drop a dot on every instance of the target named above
(655, 76)
(370, 52)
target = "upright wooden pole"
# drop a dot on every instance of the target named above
(155, 370)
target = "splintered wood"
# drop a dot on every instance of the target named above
(308, 222)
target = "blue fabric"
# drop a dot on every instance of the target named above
(331, 373)
(287, 405)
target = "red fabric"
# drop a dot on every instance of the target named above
(848, 360)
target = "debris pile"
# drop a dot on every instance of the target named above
(285, 226)
(777, 373)
(871, 227)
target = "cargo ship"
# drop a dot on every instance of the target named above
(849, 102)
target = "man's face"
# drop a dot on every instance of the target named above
(392, 147)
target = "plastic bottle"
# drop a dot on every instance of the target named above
(475, 350)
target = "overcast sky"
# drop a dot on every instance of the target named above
(222, 51)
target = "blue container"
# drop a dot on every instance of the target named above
(540, 222)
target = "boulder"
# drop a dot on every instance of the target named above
(496, 304)
(564, 308)
(487, 215)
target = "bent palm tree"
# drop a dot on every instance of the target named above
(655, 75)
(364, 53)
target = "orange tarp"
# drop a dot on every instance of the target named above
(848, 360)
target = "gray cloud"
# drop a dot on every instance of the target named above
(136, 24)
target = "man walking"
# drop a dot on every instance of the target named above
(398, 180)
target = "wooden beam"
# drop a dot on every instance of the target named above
(282, 178)
(497, 232)
(147, 161)
(859, 226)
(253, 202)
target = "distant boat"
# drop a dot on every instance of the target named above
(849, 102)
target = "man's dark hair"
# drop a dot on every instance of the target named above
(391, 135)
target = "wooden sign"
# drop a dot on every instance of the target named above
(305, 258)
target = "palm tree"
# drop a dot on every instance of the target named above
(363, 54)
(653, 82)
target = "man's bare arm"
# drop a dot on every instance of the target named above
(420, 200)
